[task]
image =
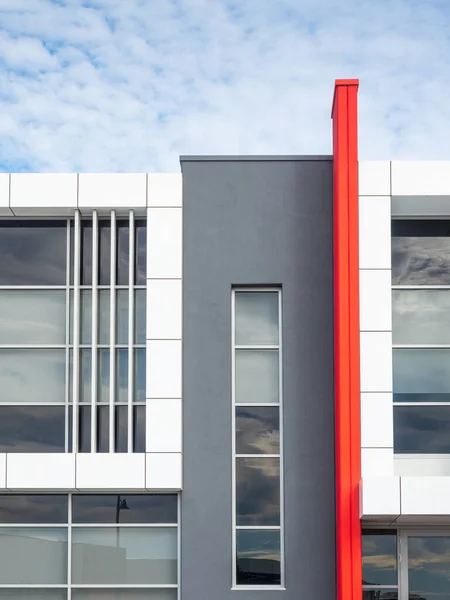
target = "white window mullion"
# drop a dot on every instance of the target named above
(67, 373)
(76, 331)
(112, 333)
(94, 358)
(130, 331)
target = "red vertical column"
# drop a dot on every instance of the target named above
(346, 344)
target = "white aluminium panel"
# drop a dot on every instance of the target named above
(376, 361)
(375, 178)
(5, 210)
(377, 462)
(374, 232)
(380, 497)
(164, 308)
(119, 191)
(164, 425)
(165, 189)
(163, 471)
(375, 295)
(163, 368)
(110, 472)
(377, 420)
(36, 194)
(420, 178)
(164, 243)
(29, 471)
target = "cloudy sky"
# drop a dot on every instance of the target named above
(129, 85)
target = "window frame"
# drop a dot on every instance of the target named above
(281, 528)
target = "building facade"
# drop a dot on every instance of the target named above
(228, 382)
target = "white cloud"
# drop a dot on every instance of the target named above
(109, 85)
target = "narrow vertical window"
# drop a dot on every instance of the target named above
(257, 442)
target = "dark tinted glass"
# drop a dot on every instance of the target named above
(258, 557)
(104, 256)
(421, 252)
(123, 252)
(32, 428)
(70, 428)
(28, 508)
(140, 269)
(86, 253)
(429, 567)
(126, 508)
(102, 428)
(257, 430)
(121, 429)
(138, 428)
(383, 594)
(30, 594)
(379, 550)
(421, 374)
(257, 491)
(84, 428)
(139, 375)
(33, 252)
(422, 429)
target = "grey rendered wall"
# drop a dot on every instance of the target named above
(258, 222)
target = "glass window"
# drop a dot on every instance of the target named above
(420, 252)
(123, 252)
(140, 317)
(257, 430)
(102, 428)
(29, 375)
(421, 374)
(379, 550)
(138, 428)
(85, 375)
(32, 428)
(33, 252)
(422, 429)
(32, 317)
(84, 428)
(121, 429)
(104, 256)
(122, 375)
(140, 237)
(428, 567)
(139, 375)
(27, 594)
(124, 556)
(33, 508)
(256, 318)
(104, 316)
(380, 594)
(86, 317)
(420, 317)
(103, 376)
(33, 555)
(258, 557)
(122, 317)
(86, 253)
(258, 491)
(137, 508)
(257, 376)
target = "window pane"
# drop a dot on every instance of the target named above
(112, 594)
(421, 375)
(138, 428)
(256, 318)
(121, 375)
(257, 430)
(139, 375)
(102, 428)
(33, 555)
(32, 375)
(421, 316)
(257, 491)
(140, 317)
(32, 317)
(85, 375)
(379, 558)
(140, 241)
(142, 508)
(86, 317)
(383, 594)
(33, 508)
(33, 252)
(104, 315)
(258, 557)
(122, 317)
(428, 567)
(104, 255)
(123, 252)
(422, 429)
(256, 373)
(103, 375)
(26, 594)
(124, 555)
(32, 429)
(86, 253)
(420, 252)
(84, 429)
(121, 429)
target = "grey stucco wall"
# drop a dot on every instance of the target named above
(258, 222)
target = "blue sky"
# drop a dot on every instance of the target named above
(129, 85)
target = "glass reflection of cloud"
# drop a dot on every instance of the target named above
(256, 318)
(421, 316)
(257, 430)
(421, 260)
(421, 371)
(258, 544)
(258, 491)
